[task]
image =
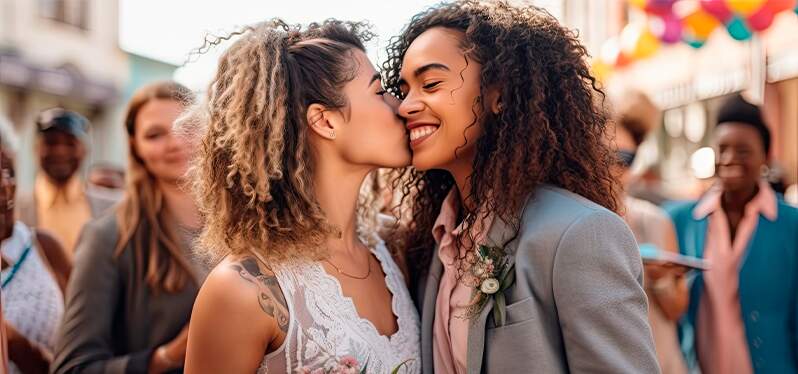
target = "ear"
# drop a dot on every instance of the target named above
(494, 98)
(318, 118)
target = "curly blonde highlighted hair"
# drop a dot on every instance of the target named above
(253, 172)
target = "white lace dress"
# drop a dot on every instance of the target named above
(325, 329)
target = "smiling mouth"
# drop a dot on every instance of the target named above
(731, 172)
(421, 133)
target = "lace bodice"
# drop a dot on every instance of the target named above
(325, 327)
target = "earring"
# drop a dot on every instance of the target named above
(764, 171)
(332, 134)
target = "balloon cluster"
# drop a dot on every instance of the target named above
(692, 25)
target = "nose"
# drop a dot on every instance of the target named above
(410, 106)
(727, 157)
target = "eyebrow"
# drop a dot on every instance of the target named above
(423, 69)
(430, 66)
(374, 77)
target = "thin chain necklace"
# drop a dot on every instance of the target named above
(350, 275)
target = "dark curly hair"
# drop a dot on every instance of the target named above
(551, 129)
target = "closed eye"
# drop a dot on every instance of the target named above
(431, 85)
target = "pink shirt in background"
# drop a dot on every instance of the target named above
(450, 327)
(721, 342)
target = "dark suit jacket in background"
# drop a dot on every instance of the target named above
(113, 321)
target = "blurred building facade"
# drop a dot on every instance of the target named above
(66, 53)
(689, 84)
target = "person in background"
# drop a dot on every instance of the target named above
(35, 269)
(135, 280)
(742, 313)
(666, 286)
(59, 202)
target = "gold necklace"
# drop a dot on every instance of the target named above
(349, 275)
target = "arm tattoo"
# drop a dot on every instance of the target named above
(270, 296)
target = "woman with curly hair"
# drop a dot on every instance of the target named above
(521, 264)
(295, 120)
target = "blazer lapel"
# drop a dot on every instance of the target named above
(500, 231)
(428, 311)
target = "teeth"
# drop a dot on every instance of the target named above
(420, 132)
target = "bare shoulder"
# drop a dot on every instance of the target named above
(248, 286)
(239, 315)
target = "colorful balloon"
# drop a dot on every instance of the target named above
(600, 70)
(659, 7)
(718, 9)
(672, 31)
(638, 3)
(737, 29)
(745, 7)
(777, 6)
(638, 42)
(761, 20)
(699, 24)
(695, 43)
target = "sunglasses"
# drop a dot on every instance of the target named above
(626, 158)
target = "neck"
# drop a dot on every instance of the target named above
(58, 183)
(180, 205)
(736, 200)
(337, 188)
(462, 169)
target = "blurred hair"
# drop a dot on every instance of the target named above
(736, 110)
(140, 214)
(637, 114)
(8, 137)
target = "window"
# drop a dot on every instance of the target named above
(70, 12)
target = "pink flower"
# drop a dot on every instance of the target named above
(348, 362)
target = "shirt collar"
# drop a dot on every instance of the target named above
(764, 203)
(448, 215)
(50, 193)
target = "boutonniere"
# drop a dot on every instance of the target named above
(490, 275)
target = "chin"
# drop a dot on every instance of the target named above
(423, 165)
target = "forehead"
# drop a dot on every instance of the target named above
(365, 70)
(738, 133)
(58, 136)
(437, 44)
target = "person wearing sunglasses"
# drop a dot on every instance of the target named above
(665, 284)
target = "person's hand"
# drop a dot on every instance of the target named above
(171, 355)
(13, 336)
(655, 271)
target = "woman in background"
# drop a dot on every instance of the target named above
(129, 301)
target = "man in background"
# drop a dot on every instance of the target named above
(59, 201)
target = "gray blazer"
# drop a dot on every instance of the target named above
(112, 319)
(577, 304)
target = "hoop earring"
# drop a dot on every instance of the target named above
(764, 171)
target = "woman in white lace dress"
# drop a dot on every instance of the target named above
(294, 122)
